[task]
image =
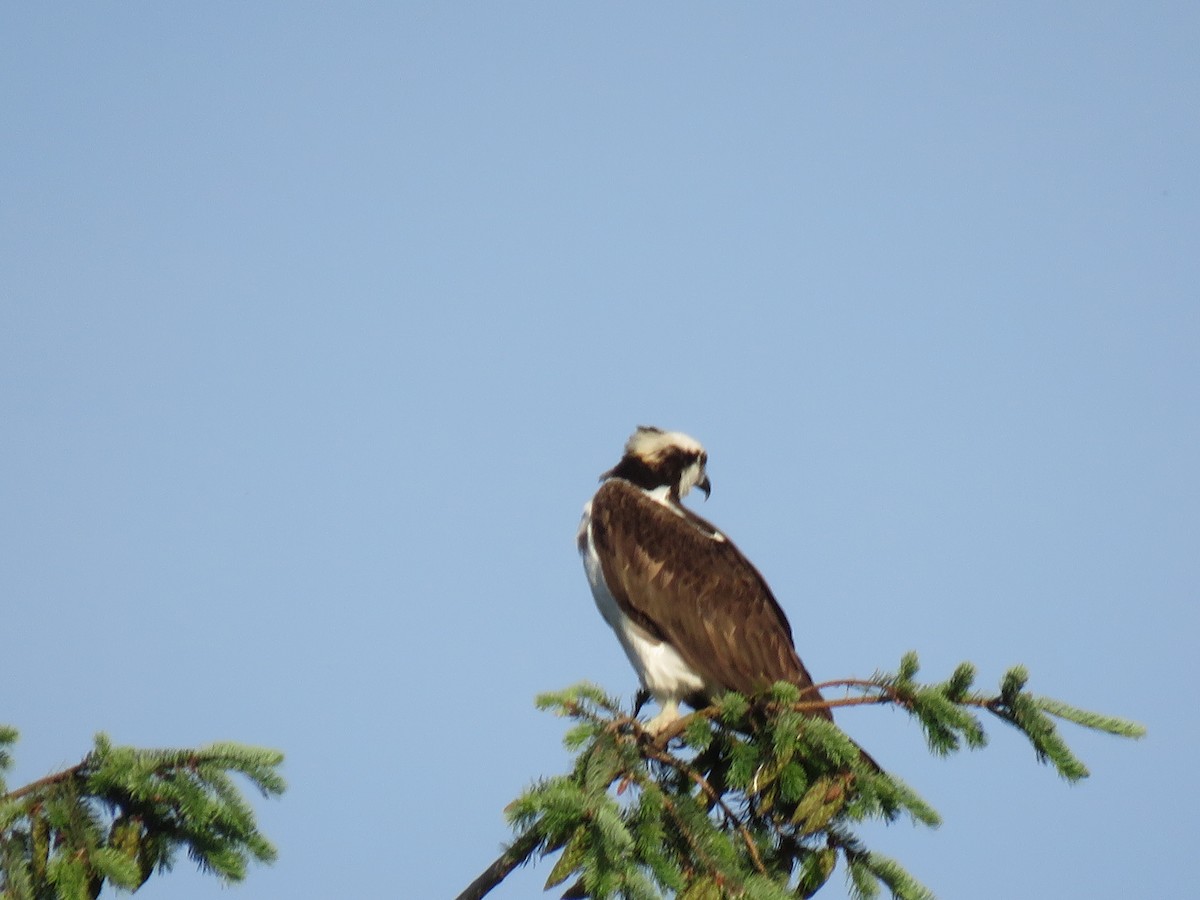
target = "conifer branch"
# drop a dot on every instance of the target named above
(753, 797)
(517, 854)
(123, 813)
(714, 796)
(43, 783)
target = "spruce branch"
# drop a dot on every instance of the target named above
(754, 797)
(123, 813)
(714, 797)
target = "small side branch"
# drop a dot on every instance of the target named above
(711, 793)
(75, 771)
(522, 848)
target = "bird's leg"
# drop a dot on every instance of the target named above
(669, 713)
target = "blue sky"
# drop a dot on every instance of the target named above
(317, 324)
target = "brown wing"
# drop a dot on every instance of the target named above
(696, 592)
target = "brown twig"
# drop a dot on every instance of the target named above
(885, 695)
(516, 854)
(56, 778)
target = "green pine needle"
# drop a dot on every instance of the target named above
(1095, 721)
(1013, 683)
(910, 665)
(897, 880)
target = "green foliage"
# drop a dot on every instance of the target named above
(753, 797)
(8, 737)
(122, 813)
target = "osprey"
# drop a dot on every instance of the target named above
(695, 618)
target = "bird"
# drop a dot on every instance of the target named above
(694, 616)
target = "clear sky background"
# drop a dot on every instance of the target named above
(318, 322)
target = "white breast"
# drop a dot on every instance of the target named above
(660, 668)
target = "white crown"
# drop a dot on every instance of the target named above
(648, 442)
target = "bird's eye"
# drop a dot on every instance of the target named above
(703, 459)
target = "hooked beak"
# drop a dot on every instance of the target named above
(704, 485)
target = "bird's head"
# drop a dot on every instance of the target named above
(657, 459)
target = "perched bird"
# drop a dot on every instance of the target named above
(695, 618)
